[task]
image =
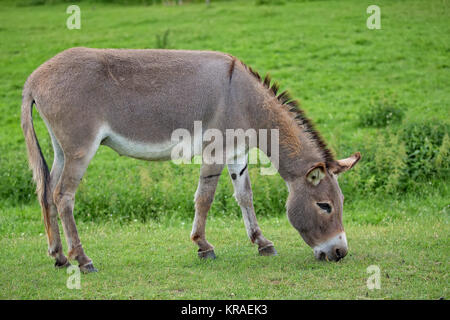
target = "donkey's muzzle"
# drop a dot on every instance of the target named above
(333, 249)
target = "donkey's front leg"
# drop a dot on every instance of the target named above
(204, 196)
(243, 194)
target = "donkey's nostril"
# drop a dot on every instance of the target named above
(322, 255)
(340, 253)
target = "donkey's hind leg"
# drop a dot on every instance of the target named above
(55, 246)
(204, 196)
(75, 165)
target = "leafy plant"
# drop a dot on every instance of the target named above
(381, 113)
(269, 2)
(396, 160)
(162, 42)
(427, 147)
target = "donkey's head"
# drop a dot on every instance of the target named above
(314, 207)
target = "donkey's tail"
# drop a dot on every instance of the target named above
(36, 159)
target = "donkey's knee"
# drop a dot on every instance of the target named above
(64, 202)
(202, 204)
(244, 199)
(203, 201)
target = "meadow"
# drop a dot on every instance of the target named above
(381, 92)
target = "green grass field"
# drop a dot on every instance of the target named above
(382, 92)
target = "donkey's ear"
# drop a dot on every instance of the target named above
(343, 165)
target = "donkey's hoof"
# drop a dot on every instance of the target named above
(268, 251)
(209, 254)
(60, 265)
(88, 268)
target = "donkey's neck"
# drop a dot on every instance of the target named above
(298, 148)
(300, 145)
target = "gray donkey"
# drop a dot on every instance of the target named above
(132, 101)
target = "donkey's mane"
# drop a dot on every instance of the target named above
(292, 105)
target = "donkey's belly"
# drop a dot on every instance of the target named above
(139, 149)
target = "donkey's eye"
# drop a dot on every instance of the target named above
(324, 206)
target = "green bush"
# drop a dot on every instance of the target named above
(427, 147)
(268, 2)
(397, 160)
(381, 113)
(16, 183)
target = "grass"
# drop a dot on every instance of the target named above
(134, 217)
(158, 261)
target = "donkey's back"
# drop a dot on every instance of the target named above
(139, 94)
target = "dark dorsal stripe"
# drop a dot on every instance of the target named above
(293, 106)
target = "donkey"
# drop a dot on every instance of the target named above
(132, 100)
